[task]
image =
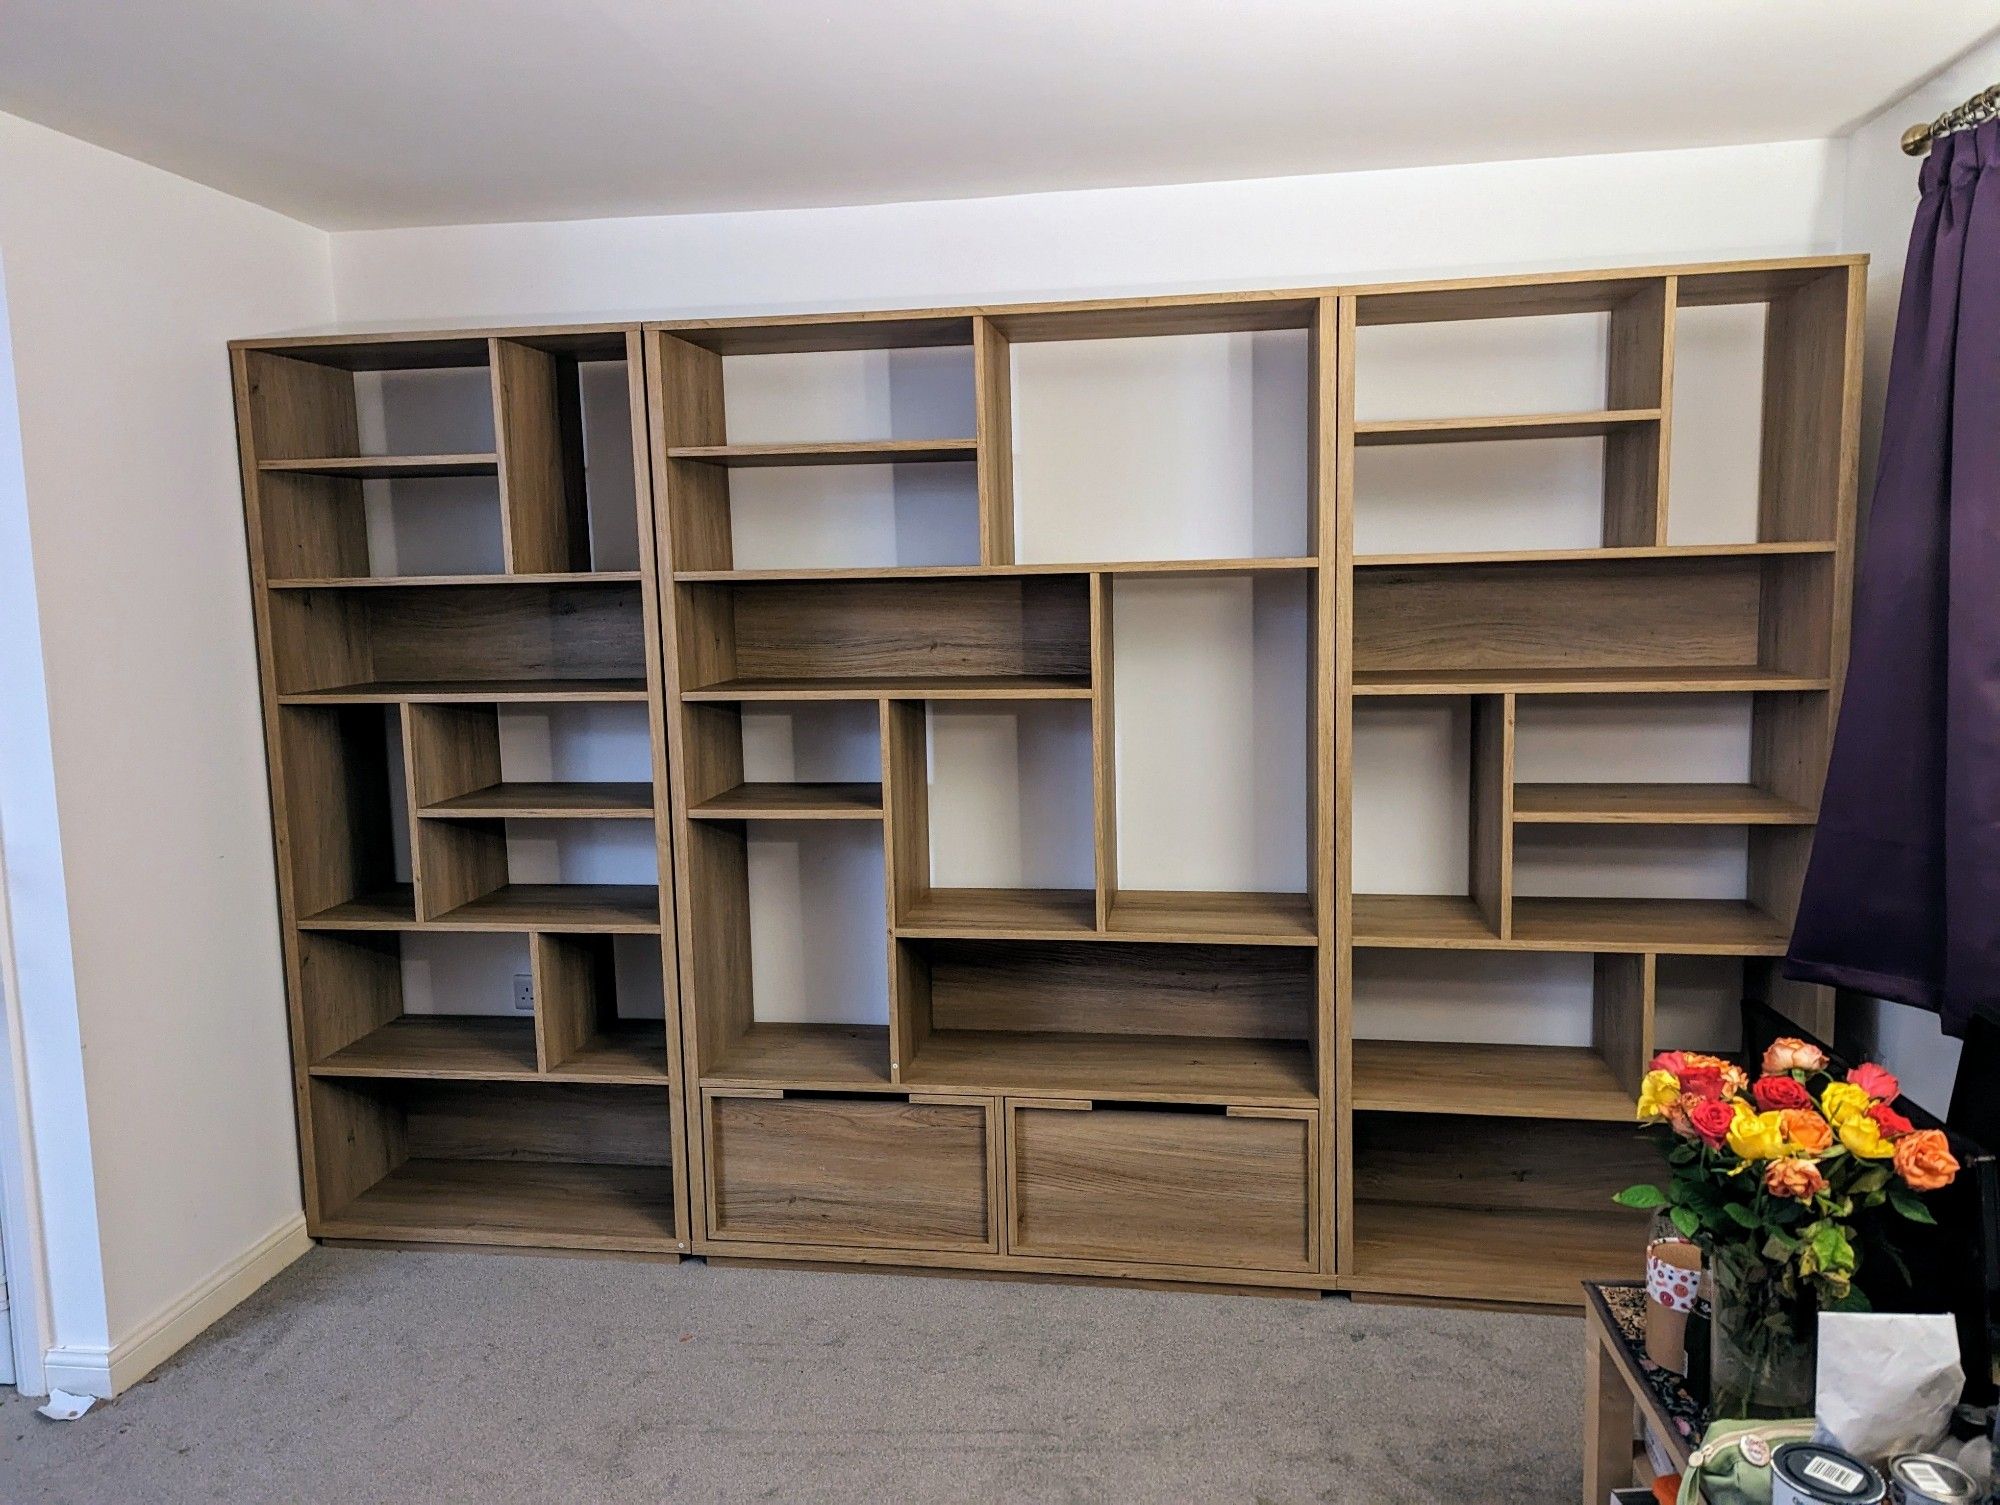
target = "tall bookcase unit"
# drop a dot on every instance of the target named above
(1522, 758)
(451, 556)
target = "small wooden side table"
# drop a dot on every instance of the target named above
(1621, 1387)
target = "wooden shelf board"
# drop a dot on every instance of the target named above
(548, 801)
(1250, 919)
(826, 1057)
(1678, 927)
(530, 1203)
(629, 1050)
(595, 908)
(793, 802)
(471, 691)
(1682, 927)
(393, 908)
(387, 467)
(1435, 921)
(1490, 1254)
(1493, 1081)
(901, 687)
(1596, 556)
(1655, 805)
(441, 1047)
(1634, 681)
(873, 452)
(1157, 1068)
(491, 577)
(1502, 426)
(1281, 562)
(1002, 913)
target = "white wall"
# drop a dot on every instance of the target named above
(1880, 203)
(151, 895)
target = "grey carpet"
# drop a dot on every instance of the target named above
(362, 1376)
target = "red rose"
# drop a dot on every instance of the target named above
(1876, 1082)
(1892, 1124)
(1702, 1081)
(1774, 1093)
(1711, 1118)
(1674, 1061)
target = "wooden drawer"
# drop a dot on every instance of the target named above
(866, 1170)
(1232, 1189)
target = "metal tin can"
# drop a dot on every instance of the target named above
(1926, 1479)
(1806, 1473)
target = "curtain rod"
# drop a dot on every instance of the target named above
(1983, 106)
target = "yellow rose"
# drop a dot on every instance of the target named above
(1842, 1101)
(1658, 1092)
(1757, 1136)
(1863, 1137)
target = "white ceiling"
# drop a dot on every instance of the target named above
(349, 113)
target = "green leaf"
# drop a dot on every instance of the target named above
(1868, 1181)
(1742, 1215)
(1686, 1221)
(1854, 1300)
(1910, 1205)
(1641, 1197)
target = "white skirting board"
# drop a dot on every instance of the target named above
(90, 1369)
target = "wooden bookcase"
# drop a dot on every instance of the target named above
(1097, 1072)
(401, 703)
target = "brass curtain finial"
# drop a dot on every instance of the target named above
(1983, 106)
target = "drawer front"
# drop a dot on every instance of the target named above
(1233, 1189)
(852, 1170)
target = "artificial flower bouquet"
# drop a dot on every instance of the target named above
(1769, 1177)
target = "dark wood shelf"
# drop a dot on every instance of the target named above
(531, 1203)
(387, 467)
(1002, 913)
(901, 687)
(1654, 805)
(593, 908)
(793, 802)
(393, 908)
(825, 1057)
(1488, 1254)
(441, 1047)
(1157, 1068)
(1682, 927)
(1494, 1081)
(626, 1050)
(1246, 919)
(471, 691)
(871, 452)
(1605, 555)
(491, 577)
(1593, 424)
(1252, 564)
(558, 801)
(1634, 681)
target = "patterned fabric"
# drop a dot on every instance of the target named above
(1628, 1311)
(1670, 1285)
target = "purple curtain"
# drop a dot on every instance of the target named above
(1902, 895)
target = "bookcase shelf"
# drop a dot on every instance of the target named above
(1345, 879)
(415, 869)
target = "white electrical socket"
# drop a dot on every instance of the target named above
(524, 993)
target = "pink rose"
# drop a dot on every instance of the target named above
(1876, 1082)
(1789, 1053)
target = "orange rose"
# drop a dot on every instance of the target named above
(1799, 1180)
(1925, 1161)
(1806, 1129)
(1789, 1053)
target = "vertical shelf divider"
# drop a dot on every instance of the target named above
(1635, 458)
(906, 838)
(1334, 337)
(993, 385)
(538, 433)
(1103, 746)
(1491, 845)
